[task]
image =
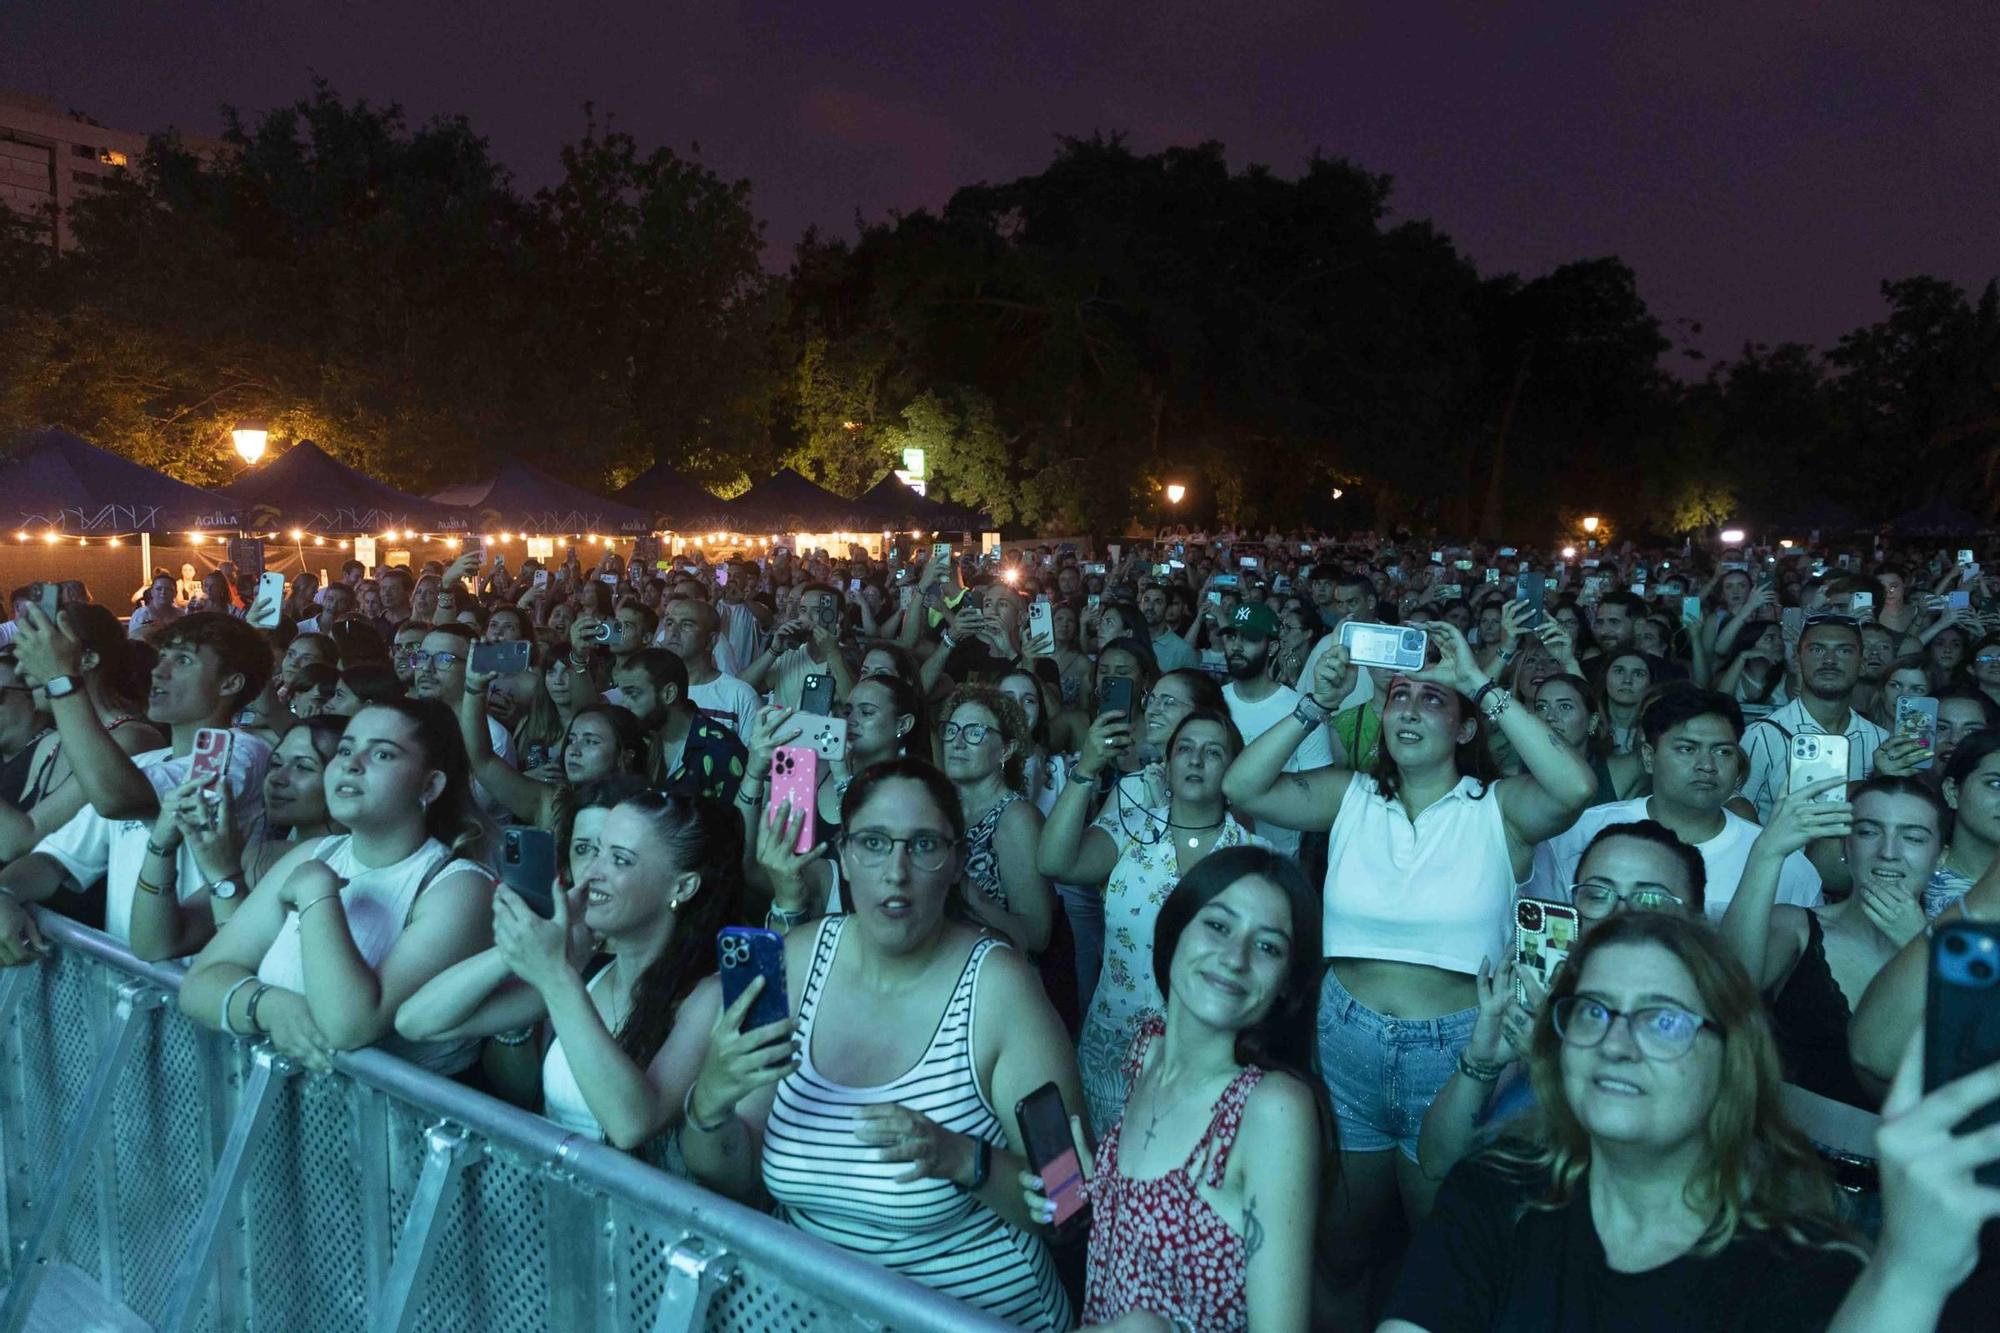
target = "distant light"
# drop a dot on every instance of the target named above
(319, 541)
(1569, 553)
(298, 535)
(407, 534)
(115, 542)
(250, 438)
(1011, 574)
(1337, 492)
(1176, 493)
(49, 537)
(1590, 523)
(343, 543)
(850, 425)
(1732, 536)
(1786, 543)
(20, 536)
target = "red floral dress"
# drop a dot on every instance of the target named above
(1157, 1245)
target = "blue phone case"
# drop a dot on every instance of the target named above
(744, 952)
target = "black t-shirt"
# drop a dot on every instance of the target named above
(1483, 1261)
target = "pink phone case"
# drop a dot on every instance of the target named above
(795, 778)
(211, 756)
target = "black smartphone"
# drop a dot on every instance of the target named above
(500, 659)
(1532, 587)
(1962, 1016)
(1051, 1148)
(745, 952)
(1115, 696)
(816, 695)
(528, 867)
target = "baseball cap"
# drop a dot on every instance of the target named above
(1255, 620)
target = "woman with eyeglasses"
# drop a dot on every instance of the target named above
(1424, 854)
(1638, 867)
(880, 1118)
(1138, 855)
(1657, 1185)
(1983, 670)
(668, 876)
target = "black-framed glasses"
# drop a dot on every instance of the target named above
(1986, 659)
(1597, 901)
(1660, 1031)
(439, 661)
(975, 733)
(927, 850)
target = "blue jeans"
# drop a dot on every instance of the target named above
(1382, 1073)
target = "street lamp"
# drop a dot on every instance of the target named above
(1732, 536)
(250, 437)
(1590, 523)
(1176, 493)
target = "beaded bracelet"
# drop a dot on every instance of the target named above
(1480, 1070)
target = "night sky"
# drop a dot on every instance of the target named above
(1762, 166)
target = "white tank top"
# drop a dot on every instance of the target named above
(378, 903)
(562, 1098)
(1437, 891)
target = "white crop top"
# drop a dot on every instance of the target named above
(1437, 891)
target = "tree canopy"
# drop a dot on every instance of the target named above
(1059, 345)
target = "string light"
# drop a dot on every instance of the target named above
(297, 535)
(319, 541)
(115, 542)
(343, 543)
(407, 534)
(49, 537)
(20, 536)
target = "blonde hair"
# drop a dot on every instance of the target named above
(1756, 1169)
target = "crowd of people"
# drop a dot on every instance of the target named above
(1130, 827)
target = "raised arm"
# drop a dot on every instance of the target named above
(527, 800)
(1070, 849)
(1798, 819)
(109, 780)
(1257, 784)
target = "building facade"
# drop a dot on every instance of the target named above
(50, 157)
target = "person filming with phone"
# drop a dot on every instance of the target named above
(912, 1038)
(210, 665)
(667, 875)
(1425, 853)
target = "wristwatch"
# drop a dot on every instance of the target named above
(61, 687)
(227, 887)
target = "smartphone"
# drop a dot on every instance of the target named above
(1862, 606)
(210, 763)
(1964, 556)
(1094, 599)
(611, 579)
(1962, 1016)
(1959, 600)
(1115, 696)
(795, 778)
(501, 659)
(1041, 620)
(744, 953)
(1305, 548)
(1094, 567)
(1248, 562)
(1544, 933)
(816, 695)
(541, 578)
(1793, 619)
(1917, 718)
(48, 596)
(1492, 574)
(1230, 581)
(941, 551)
(528, 866)
(1450, 592)
(1817, 757)
(1461, 565)
(1051, 1145)
(1532, 588)
(1691, 608)
(1398, 647)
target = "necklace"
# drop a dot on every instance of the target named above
(1155, 1113)
(1194, 838)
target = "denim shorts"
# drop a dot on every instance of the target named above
(1382, 1073)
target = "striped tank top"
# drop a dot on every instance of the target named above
(831, 1186)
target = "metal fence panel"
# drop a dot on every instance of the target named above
(518, 1227)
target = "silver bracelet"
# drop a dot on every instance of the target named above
(1310, 713)
(228, 997)
(687, 1115)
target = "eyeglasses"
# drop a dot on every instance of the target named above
(1661, 1032)
(975, 733)
(1986, 659)
(439, 661)
(927, 850)
(1831, 618)
(1601, 900)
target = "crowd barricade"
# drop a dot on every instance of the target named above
(186, 1181)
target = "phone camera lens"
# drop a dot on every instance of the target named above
(1955, 944)
(1981, 970)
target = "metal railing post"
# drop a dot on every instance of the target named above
(35, 1255)
(371, 1145)
(260, 1096)
(416, 1246)
(696, 1270)
(14, 1156)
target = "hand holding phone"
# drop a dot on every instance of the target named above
(744, 953)
(1057, 1155)
(1962, 1016)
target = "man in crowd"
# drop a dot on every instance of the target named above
(1170, 650)
(688, 752)
(1257, 702)
(800, 648)
(1829, 666)
(689, 627)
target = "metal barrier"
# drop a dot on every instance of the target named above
(201, 1183)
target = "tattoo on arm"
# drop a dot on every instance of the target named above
(1299, 780)
(1253, 1230)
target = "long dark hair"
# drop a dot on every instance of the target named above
(702, 835)
(124, 664)
(452, 818)
(1285, 1039)
(1473, 758)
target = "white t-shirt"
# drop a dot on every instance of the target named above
(91, 847)
(729, 701)
(1312, 751)
(1724, 855)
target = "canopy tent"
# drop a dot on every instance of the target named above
(675, 501)
(788, 502)
(56, 482)
(1939, 518)
(528, 500)
(307, 488)
(904, 508)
